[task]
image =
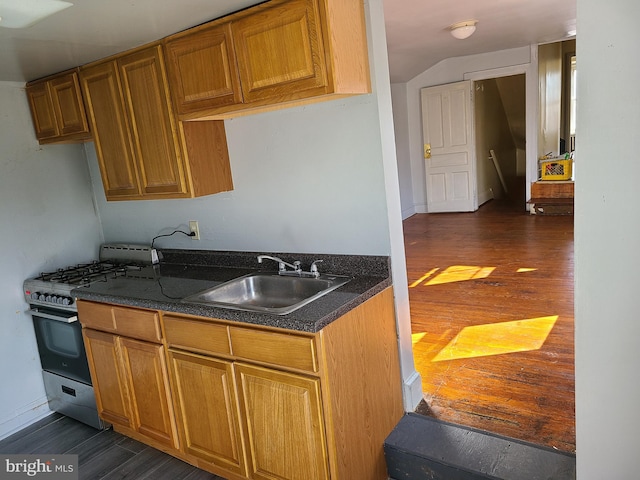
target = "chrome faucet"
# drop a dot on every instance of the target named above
(282, 265)
(295, 266)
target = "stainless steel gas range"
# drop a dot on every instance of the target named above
(59, 334)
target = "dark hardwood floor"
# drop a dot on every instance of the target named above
(101, 454)
(491, 295)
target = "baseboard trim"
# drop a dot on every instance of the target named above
(412, 391)
(24, 417)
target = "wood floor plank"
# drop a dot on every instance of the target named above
(55, 437)
(103, 463)
(101, 454)
(484, 270)
(139, 466)
(174, 469)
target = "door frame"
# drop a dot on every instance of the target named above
(531, 109)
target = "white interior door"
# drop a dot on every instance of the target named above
(449, 149)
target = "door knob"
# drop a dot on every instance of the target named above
(427, 150)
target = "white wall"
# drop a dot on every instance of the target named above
(607, 237)
(307, 179)
(47, 221)
(401, 123)
(451, 70)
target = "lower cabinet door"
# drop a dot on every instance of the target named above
(206, 402)
(108, 377)
(146, 370)
(284, 425)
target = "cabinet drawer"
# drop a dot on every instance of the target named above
(204, 337)
(140, 324)
(96, 315)
(130, 322)
(282, 349)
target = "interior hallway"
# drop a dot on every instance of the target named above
(491, 295)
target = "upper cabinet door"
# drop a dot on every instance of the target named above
(101, 88)
(202, 70)
(153, 129)
(44, 120)
(57, 109)
(68, 105)
(280, 52)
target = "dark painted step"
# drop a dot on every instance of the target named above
(421, 448)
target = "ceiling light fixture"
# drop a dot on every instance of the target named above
(463, 30)
(24, 13)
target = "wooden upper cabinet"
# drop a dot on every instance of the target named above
(282, 52)
(143, 150)
(202, 70)
(153, 129)
(44, 121)
(101, 87)
(57, 109)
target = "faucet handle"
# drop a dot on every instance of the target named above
(314, 268)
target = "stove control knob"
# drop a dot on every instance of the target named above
(67, 300)
(35, 295)
(47, 298)
(41, 297)
(59, 300)
(53, 299)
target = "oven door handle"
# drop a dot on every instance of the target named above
(58, 318)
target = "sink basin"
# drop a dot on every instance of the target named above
(268, 293)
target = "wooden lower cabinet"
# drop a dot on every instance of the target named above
(205, 400)
(108, 377)
(148, 386)
(244, 401)
(284, 424)
(131, 385)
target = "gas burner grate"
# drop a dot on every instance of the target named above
(83, 273)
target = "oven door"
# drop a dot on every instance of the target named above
(59, 337)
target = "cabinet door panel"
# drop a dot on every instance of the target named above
(149, 389)
(101, 89)
(68, 105)
(206, 402)
(202, 70)
(153, 128)
(280, 51)
(107, 376)
(44, 120)
(284, 424)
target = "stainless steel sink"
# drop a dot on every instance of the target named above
(268, 293)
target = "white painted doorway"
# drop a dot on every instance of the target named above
(449, 150)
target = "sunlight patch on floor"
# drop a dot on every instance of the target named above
(460, 273)
(498, 338)
(416, 337)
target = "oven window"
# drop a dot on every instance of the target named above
(61, 348)
(61, 338)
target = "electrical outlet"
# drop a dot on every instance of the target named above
(193, 228)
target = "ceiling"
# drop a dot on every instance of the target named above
(417, 33)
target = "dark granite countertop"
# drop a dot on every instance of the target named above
(185, 272)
